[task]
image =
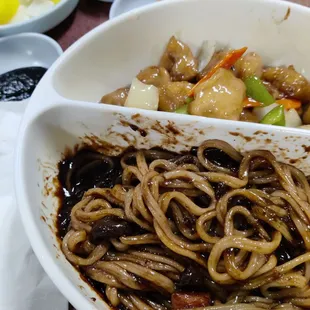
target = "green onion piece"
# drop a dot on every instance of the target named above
(275, 117)
(189, 100)
(182, 110)
(255, 89)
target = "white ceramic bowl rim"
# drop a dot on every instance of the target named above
(37, 242)
(57, 6)
(38, 36)
(117, 4)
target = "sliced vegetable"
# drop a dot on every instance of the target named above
(289, 103)
(189, 100)
(275, 117)
(182, 110)
(226, 63)
(260, 112)
(292, 119)
(206, 52)
(142, 96)
(256, 90)
(251, 103)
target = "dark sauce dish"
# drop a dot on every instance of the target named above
(19, 84)
(24, 59)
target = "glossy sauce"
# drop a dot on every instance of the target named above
(86, 169)
(19, 84)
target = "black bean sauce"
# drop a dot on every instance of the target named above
(220, 158)
(85, 170)
(19, 84)
(196, 278)
(288, 251)
(220, 189)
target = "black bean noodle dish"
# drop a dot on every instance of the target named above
(212, 228)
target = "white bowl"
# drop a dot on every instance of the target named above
(122, 6)
(63, 109)
(27, 50)
(43, 22)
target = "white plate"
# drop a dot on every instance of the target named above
(64, 108)
(122, 6)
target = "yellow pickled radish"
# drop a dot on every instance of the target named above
(8, 9)
(55, 1)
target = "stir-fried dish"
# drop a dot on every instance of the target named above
(211, 229)
(219, 83)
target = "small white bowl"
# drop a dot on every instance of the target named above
(27, 50)
(43, 22)
(123, 6)
(64, 108)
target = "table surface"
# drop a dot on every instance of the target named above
(88, 15)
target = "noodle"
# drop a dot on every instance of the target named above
(227, 231)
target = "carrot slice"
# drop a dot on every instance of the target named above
(251, 103)
(289, 103)
(226, 63)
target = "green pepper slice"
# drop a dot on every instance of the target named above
(189, 100)
(257, 90)
(182, 109)
(275, 117)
